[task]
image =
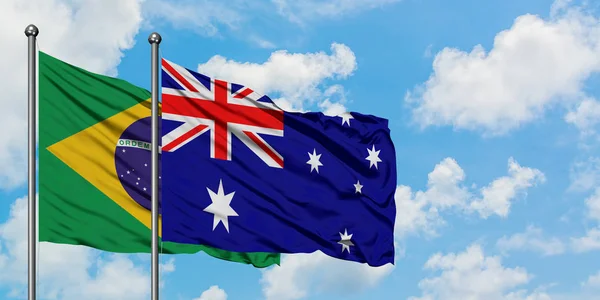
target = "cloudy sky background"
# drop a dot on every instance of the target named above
(493, 107)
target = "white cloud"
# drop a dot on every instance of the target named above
(415, 214)
(335, 98)
(586, 116)
(593, 281)
(591, 240)
(592, 204)
(66, 271)
(300, 274)
(473, 275)
(535, 295)
(201, 16)
(307, 10)
(498, 195)
(213, 293)
(91, 34)
(532, 240)
(287, 105)
(585, 175)
(213, 18)
(534, 65)
(428, 51)
(420, 211)
(261, 42)
(297, 78)
(332, 108)
(166, 267)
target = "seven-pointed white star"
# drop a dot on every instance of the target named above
(373, 157)
(314, 161)
(345, 241)
(358, 187)
(346, 118)
(220, 206)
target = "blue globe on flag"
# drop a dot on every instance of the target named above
(133, 163)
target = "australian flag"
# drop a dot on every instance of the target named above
(241, 174)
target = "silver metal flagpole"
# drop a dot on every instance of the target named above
(154, 39)
(31, 32)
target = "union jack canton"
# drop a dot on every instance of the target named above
(222, 108)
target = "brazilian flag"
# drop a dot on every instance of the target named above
(94, 165)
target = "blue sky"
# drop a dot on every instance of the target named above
(493, 111)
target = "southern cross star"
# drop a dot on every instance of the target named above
(373, 157)
(346, 118)
(358, 187)
(345, 241)
(314, 161)
(220, 207)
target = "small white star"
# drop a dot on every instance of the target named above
(137, 183)
(145, 165)
(144, 189)
(158, 177)
(314, 161)
(220, 206)
(373, 157)
(123, 150)
(346, 118)
(138, 178)
(345, 241)
(358, 187)
(128, 172)
(121, 175)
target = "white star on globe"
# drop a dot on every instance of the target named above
(345, 240)
(314, 161)
(373, 157)
(358, 187)
(220, 206)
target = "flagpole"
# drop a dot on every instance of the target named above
(154, 39)
(31, 32)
